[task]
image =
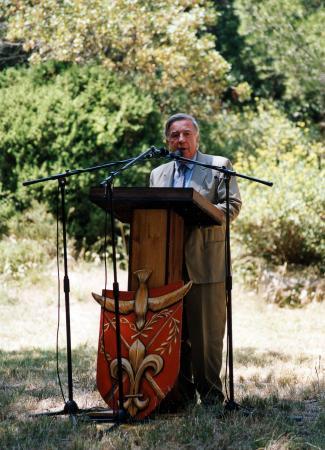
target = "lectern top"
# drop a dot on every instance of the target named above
(188, 203)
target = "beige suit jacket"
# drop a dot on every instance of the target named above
(204, 247)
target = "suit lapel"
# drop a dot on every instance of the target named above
(168, 175)
(199, 173)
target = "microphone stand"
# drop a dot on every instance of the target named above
(71, 406)
(109, 196)
(230, 405)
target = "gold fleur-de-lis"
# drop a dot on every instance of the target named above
(136, 367)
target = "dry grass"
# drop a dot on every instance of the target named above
(29, 310)
(279, 375)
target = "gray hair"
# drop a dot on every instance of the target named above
(180, 116)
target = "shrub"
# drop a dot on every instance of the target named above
(55, 117)
(7, 209)
(30, 242)
(284, 223)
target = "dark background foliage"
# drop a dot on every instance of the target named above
(57, 116)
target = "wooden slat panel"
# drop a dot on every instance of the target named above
(148, 245)
(175, 248)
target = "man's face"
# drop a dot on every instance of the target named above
(183, 136)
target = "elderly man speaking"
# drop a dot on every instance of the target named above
(204, 316)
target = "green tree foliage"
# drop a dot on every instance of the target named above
(284, 223)
(286, 42)
(126, 64)
(241, 131)
(163, 46)
(55, 117)
(7, 209)
(30, 243)
(11, 53)
(230, 44)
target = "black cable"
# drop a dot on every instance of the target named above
(59, 295)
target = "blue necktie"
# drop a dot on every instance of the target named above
(180, 180)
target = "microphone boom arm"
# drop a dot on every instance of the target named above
(220, 169)
(149, 153)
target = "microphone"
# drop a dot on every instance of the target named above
(163, 152)
(157, 152)
(174, 155)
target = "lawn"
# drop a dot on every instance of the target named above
(278, 369)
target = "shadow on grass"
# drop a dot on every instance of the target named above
(29, 376)
(251, 356)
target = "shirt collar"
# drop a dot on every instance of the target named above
(187, 164)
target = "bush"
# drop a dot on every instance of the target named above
(284, 223)
(7, 209)
(30, 242)
(241, 131)
(55, 117)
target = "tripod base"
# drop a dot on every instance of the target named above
(101, 415)
(107, 416)
(231, 405)
(70, 408)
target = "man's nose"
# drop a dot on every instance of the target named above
(181, 137)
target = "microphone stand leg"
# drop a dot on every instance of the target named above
(70, 406)
(230, 404)
(121, 413)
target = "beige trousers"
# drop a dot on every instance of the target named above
(204, 321)
(204, 324)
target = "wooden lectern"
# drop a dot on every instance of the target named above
(157, 217)
(150, 311)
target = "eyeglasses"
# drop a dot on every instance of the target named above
(176, 135)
